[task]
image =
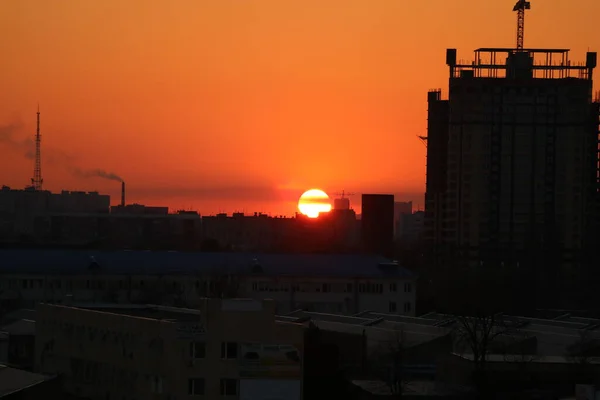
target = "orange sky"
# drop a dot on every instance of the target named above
(224, 105)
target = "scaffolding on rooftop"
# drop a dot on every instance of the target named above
(545, 64)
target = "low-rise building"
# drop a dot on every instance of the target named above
(20, 337)
(226, 347)
(344, 284)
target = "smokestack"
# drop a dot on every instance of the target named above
(123, 194)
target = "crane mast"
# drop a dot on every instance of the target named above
(520, 8)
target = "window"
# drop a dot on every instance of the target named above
(229, 350)
(196, 387)
(392, 306)
(229, 387)
(348, 287)
(407, 287)
(326, 287)
(197, 349)
(393, 287)
(157, 384)
(407, 307)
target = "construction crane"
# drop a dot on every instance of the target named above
(520, 8)
(342, 194)
(423, 139)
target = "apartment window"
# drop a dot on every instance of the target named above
(407, 307)
(229, 350)
(326, 288)
(157, 384)
(392, 306)
(229, 387)
(196, 387)
(349, 287)
(393, 287)
(407, 288)
(197, 349)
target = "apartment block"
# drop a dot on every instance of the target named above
(317, 282)
(230, 349)
(512, 164)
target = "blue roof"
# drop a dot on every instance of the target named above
(46, 261)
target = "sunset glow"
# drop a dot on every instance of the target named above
(178, 98)
(314, 202)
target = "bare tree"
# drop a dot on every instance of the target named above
(390, 356)
(584, 349)
(582, 352)
(476, 334)
(222, 284)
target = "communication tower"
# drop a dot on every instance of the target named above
(37, 180)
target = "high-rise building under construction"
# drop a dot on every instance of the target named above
(512, 163)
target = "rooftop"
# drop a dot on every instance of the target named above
(16, 315)
(13, 380)
(21, 327)
(413, 388)
(553, 336)
(149, 311)
(42, 261)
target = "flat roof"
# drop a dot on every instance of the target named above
(14, 380)
(21, 327)
(512, 49)
(377, 330)
(150, 311)
(54, 261)
(554, 336)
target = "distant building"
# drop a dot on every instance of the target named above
(411, 227)
(401, 208)
(319, 282)
(19, 209)
(139, 209)
(333, 232)
(341, 203)
(377, 223)
(224, 348)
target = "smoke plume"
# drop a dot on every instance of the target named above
(96, 173)
(26, 146)
(9, 137)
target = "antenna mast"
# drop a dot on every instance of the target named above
(37, 170)
(520, 8)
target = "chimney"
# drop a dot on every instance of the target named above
(123, 194)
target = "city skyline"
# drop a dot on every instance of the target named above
(324, 99)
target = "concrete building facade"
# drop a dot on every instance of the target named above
(230, 348)
(327, 283)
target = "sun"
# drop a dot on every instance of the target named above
(313, 202)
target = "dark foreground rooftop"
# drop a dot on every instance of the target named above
(14, 380)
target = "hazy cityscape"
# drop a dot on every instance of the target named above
(484, 287)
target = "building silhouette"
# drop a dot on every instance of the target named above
(377, 223)
(512, 165)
